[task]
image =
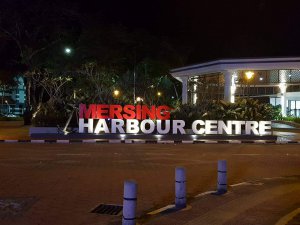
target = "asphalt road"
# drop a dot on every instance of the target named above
(61, 183)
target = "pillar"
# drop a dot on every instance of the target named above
(184, 90)
(227, 87)
(283, 77)
(195, 92)
(283, 87)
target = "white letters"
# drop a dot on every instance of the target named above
(178, 125)
(209, 125)
(222, 126)
(194, 127)
(89, 125)
(132, 126)
(101, 126)
(251, 126)
(159, 127)
(117, 124)
(199, 127)
(143, 126)
(265, 128)
(238, 126)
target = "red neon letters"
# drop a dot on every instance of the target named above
(139, 112)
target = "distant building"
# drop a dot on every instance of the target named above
(273, 80)
(13, 98)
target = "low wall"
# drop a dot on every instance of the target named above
(43, 130)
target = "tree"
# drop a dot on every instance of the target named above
(35, 27)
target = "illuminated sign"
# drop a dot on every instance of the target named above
(132, 119)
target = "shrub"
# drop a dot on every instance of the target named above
(49, 116)
(188, 113)
(242, 109)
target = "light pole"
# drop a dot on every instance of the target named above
(249, 75)
(7, 106)
(158, 95)
(2, 96)
(134, 85)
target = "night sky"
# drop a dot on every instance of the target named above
(212, 29)
(206, 30)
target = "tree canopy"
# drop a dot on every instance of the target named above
(102, 58)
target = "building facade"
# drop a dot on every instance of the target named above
(272, 80)
(12, 98)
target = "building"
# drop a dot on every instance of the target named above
(273, 80)
(12, 98)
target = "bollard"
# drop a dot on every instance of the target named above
(222, 176)
(129, 202)
(180, 187)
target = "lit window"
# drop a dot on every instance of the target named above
(297, 104)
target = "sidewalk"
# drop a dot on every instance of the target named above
(262, 202)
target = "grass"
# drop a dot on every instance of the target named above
(11, 118)
(292, 119)
(13, 130)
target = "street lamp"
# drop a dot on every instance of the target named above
(158, 94)
(139, 100)
(7, 106)
(249, 75)
(116, 93)
(68, 50)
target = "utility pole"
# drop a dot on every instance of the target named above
(134, 84)
(134, 67)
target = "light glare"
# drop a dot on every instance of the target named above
(249, 74)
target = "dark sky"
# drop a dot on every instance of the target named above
(212, 29)
(205, 29)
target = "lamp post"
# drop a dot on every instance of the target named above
(249, 75)
(2, 96)
(158, 95)
(116, 94)
(7, 106)
(134, 85)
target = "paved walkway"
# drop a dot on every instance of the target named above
(262, 202)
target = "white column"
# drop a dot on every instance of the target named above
(227, 87)
(184, 90)
(234, 78)
(283, 77)
(283, 87)
(195, 92)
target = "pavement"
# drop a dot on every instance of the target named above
(45, 184)
(258, 202)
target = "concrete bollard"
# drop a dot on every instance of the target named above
(180, 187)
(222, 176)
(129, 202)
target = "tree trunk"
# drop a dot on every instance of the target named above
(28, 111)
